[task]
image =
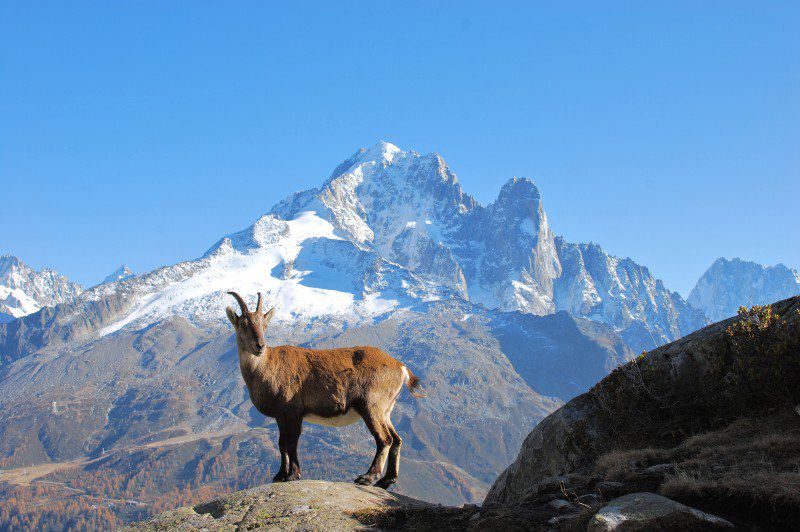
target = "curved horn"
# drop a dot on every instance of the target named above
(239, 300)
(258, 305)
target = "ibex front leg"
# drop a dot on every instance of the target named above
(294, 426)
(283, 472)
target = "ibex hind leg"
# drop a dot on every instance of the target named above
(393, 465)
(383, 440)
(295, 426)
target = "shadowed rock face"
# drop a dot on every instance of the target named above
(743, 370)
(301, 505)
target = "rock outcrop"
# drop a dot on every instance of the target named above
(683, 420)
(301, 505)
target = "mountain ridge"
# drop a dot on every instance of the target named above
(407, 232)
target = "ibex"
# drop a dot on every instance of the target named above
(333, 387)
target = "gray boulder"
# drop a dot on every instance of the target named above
(648, 511)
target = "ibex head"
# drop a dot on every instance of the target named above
(250, 326)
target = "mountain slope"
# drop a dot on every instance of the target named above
(729, 284)
(153, 413)
(23, 290)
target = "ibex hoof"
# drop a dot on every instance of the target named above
(365, 480)
(385, 482)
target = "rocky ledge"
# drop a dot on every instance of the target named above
(301, 505)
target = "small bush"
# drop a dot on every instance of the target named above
(760, 370)
(752, 368)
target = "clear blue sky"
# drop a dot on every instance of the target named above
(141, 133)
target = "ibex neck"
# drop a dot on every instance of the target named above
(247, 363)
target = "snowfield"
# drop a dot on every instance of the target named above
(301, 267)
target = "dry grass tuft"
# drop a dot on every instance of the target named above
(621, 465)
(749, 470)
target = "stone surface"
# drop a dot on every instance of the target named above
(648, 511)
(590, 499)
(659, 470)
(610, 488)
(560, 505)
(301, 505)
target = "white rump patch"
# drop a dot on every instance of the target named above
(350, 417)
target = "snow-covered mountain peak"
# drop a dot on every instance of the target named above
(382, 151)
(373, 196)
(728, 284)
(390, 228)
(24, 290)
(519, 185)
(120, 274)
(411, 209)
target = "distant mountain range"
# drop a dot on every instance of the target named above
(24, 290)
(729, 284)
(390, 227)
(503, 320)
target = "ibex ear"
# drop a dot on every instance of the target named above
(268, 317)
(231, 315)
